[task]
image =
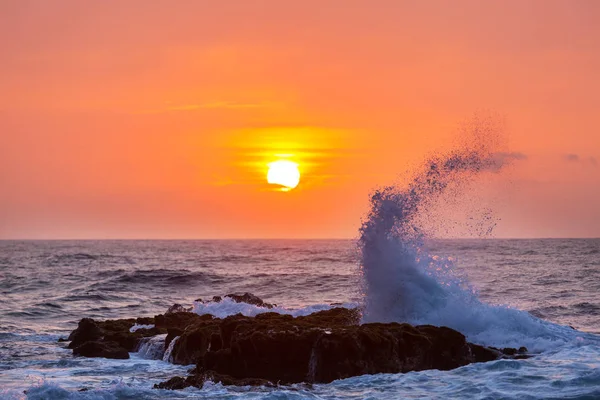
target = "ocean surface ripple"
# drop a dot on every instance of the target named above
(47, 286)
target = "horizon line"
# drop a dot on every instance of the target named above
(282, 238)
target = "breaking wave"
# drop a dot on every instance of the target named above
(401, 282)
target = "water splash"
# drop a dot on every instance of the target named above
(401, 282)
(394, 266)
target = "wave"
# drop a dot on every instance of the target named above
(402, 282)
(86, 259)
(227, 307)
(160, 277)
(90, 297)
(587, 308)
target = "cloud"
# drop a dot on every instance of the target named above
(572, 157)
(576, 158)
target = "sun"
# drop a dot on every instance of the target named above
(284, 173)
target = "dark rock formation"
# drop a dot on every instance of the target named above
(175, 308)
(247, 298)
(109, 339)
(105, 349)
(275, 348)
(197, 380)
(320, 348)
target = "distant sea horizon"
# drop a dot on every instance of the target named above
(289, 238)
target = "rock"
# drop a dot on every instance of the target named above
(248, 298)
(178, 319)
(195, 341)
(109, 338)
(510, 352)
(175, 383)
(175, 308)
(172, 333)
(101, 349)
(319, 348)
(484, 354)
(274, 348)
(144, 321)
(293, 351)
(87, 330)
(197, 380)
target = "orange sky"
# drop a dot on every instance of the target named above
(156, 119)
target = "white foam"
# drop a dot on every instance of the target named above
(137, 327)
(227, 307)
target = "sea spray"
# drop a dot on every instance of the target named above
(401, 282)
(394, 265)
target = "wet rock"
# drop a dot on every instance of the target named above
(176, 308)
(198, 380)
(320, 348)
(101, 349)
(249, 298)
(509, 352)
(172, 333)
(178, 319)
(274, 348)
(484, 354)
(195, 341)
(87, 330)
(144, 321)
(108, 338)
(292, 351)
(175, 383)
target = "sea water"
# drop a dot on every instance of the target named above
(540, 293)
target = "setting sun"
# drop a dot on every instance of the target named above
(284, 173)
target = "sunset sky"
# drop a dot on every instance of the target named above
(157, 119)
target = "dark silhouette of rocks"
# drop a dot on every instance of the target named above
(274, 348)
(247, 298)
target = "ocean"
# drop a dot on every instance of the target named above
(543, 294)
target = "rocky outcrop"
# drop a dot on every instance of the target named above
(274, 348)
(247, 298)
(319, 348)
(109, 339)
(97, 348)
